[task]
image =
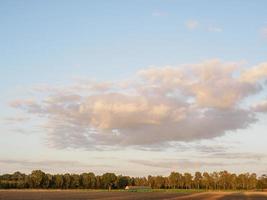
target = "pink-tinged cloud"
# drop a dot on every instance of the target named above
(260, 107)
(158, 105)
(191, 24)
(264, 32)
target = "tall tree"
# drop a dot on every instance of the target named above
(109, 180)
(37, 178)
(67, 181)
(173, 179)
(197, 179)
(122, 181)
(75, 181)
(188, 180)
(58, 181)
(206, 180)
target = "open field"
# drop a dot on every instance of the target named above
(122, 195)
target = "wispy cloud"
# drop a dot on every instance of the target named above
(159, 13)
(176, 164)
(17, 119)
(195, 24)
(239, 156)
(48, 165)
(260, 106)
(264, 32)
(192, 24)
(215, 29)
(183, 165)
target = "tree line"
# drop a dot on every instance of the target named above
(209, 181)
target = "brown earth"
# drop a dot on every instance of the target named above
(97, 195)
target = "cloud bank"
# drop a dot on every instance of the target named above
(155, 106)
(53, 166)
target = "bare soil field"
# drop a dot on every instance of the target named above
(104, 195)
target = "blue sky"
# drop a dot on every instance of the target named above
(121, 36)
(60, 44)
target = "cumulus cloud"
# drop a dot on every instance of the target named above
(260, 107)
(254, 74)
(157, 106)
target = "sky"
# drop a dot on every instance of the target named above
(133, 87)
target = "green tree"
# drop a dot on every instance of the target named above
(223, 180)
(139, 181)
(109, 180)
(75, 181)
(215, 179)
(188, 180)
(173, 179)
(37, 178)
(206, 180)
(122, 181)
(47, 181)
(197, 180)
(252, 181)
(151, 181)
(233, 181)
(19, 180)
(159, 182)
(99, 182)
(67, 181)
(59, 181)
(88, 180)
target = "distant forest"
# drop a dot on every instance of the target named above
(210, 181)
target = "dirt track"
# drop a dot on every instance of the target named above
(224, 196)
(89, 195)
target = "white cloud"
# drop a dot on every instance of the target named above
(264, 32)
(16, 119)
(160, 105)
(191, 24)
(255, 73)
(194, 24)
(215, 29)
(51, 166)
(159, 13)
(261, 106)
(175, 164)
